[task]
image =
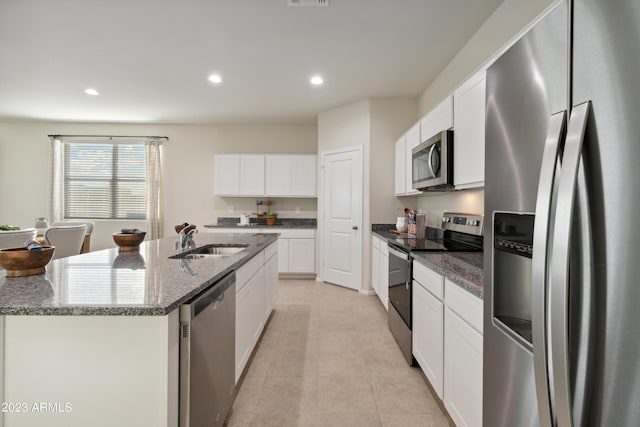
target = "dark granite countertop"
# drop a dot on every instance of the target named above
(139, 283)
(233, 222)
(462, 268)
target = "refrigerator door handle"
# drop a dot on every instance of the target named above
(544, 204)
(560, 263)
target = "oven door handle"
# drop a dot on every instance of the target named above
(399, 254)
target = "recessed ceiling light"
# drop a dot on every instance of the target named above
(91, 92)
(316, 80)
(215, 78)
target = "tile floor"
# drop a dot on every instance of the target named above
(327, 358)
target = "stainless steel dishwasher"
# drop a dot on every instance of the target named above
(207, 355)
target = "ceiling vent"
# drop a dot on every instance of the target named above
(308, 2)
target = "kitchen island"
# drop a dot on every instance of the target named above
(95, 340)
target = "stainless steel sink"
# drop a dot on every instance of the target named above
(211, 251)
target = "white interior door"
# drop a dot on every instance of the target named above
(342, 217)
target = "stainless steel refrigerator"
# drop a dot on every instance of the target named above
(562, 195)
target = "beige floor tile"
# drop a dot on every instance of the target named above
(373, 340)
(388, 362)
(294, 364)
(414, 420)
(396, 395)
(287, 395)
(345, 394)
(341, 364)
(285, 419)
(337, 340)
(248, 394)
(348, 420)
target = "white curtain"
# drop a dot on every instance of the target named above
(154, 213)
(56, 182)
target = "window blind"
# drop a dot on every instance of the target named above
(104, 181)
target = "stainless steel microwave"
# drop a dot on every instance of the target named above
(432, 163)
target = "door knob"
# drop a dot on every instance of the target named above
(355, 227)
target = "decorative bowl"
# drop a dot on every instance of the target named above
(128, 242)
(21, 262)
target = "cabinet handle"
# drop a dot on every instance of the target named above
(355, 227)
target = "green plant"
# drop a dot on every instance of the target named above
(271, 214)
(5, 227)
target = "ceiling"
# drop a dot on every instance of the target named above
(150, 59)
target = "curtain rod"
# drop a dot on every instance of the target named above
(107, 136)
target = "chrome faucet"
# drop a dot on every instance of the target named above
(185, 239)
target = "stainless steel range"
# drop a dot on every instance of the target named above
(462, 233)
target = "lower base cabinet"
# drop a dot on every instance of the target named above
(380, 269)
(462, 371)
(447, 343)
(256, 292)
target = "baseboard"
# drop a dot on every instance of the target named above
(367, 291)
(296, 275)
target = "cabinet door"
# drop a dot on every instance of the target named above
(468, 143)
(384, 276)
(278, 175)
(413, 140)
(375, 269)
(401, 158)
(251, 175)
(243, 312)
(270, 284)
(462, 371)
(283, 255)
(302, 255)
(428, 329)
(438, 119)
(227, 174)
(256, 316)
(303, 178)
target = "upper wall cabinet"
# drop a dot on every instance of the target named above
(291, 175)
(437, 120)
(257, 175)
(413, 140)
(401, 170)
(468, 141)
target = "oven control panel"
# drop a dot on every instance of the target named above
(464, 223)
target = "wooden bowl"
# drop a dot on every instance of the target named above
(128, 242)
(20, 262)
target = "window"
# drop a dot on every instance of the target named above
(104, 181)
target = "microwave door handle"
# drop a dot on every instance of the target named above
(430, 162)
(540, 257)
(561, 251)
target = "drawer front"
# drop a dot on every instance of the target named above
(429, 279)
(293, 233)
(248, 270)
(464, 304)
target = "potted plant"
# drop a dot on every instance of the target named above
(271, 218)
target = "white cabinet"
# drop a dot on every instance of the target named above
(227, 174)
(290, 175)
(438, 119)
(412, 141)
(375, 264)
(403, 159)
(384, 274)
(380, 269)
(239, 174)
(468, 145)
(296, 247)
(401, 170)
(251, 175)
(256, 294)
(428, 325)
(297, 251)
(257, 175)
(271, 278)
(463, 356)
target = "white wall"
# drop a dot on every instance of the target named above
(375, 124)
(497, 31)
(188, 176)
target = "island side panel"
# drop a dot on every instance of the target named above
(92, 370)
